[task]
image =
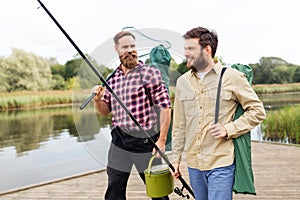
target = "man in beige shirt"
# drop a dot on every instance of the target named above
(209, 147)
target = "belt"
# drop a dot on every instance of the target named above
(138, 133)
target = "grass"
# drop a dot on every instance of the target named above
(283, 124)
(21, 100)
(276, 88)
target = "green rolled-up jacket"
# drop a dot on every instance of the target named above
(244, 180)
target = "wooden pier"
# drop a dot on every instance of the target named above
(276, 173)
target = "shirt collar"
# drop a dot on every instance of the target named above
(119, 68)
(216, 69)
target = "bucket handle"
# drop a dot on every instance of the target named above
(150, 163)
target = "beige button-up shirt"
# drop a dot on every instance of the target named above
(194, 110)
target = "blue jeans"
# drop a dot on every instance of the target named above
(215, 184)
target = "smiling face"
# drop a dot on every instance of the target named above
(196, 56)
(126, 50)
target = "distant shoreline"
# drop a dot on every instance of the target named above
(276, 88)
(31, 100)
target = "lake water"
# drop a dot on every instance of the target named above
(45, 144)
(278, 100)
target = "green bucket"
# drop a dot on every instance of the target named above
(159, 180)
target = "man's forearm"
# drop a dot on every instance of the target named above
(165, 120)
(101, 107)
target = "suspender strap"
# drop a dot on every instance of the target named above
(218, 96)
(147, 92)
(145, 88)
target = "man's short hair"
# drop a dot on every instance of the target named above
(122, 34)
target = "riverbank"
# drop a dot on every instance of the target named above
(276, 88)
(28, 100)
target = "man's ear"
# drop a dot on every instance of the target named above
(208, 49)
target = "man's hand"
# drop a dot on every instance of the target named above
(177, 173)
(217, 131)
(98, 102)
(99, 91)
(165, 119)
(161, 144)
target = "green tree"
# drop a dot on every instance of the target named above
(78, 73)
(72, 83)
(25, 71)
(282, 74)
(72, 68)
(182, 68)
(3, 76)
(297, 75)
(58, 69)
(59, 82)
(173, 64)
(272, 70)
(106, 72)
(58, 72)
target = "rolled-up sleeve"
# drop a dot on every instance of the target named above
(158, 90)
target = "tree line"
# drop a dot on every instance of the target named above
(24, 71)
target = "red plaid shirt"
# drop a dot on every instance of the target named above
(129, 88)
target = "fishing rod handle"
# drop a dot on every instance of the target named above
(187, 187)
(184, 183)
(87, 101)
(165, 158)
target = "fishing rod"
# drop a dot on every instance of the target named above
(89, 99)
(93, 68)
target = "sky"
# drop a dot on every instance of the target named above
(247, 29)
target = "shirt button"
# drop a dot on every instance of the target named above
(200, 107)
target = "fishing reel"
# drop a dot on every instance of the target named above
(180, 192)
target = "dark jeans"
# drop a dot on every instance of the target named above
(126, 151)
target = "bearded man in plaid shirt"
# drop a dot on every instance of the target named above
(129, 145)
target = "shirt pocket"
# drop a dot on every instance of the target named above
(225, 98)
(189, 102)
(224, 95)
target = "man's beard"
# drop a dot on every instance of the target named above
(129, 59)
(199, 63)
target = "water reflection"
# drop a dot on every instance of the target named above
(43, 144)
(279, 100)
(27, 130)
